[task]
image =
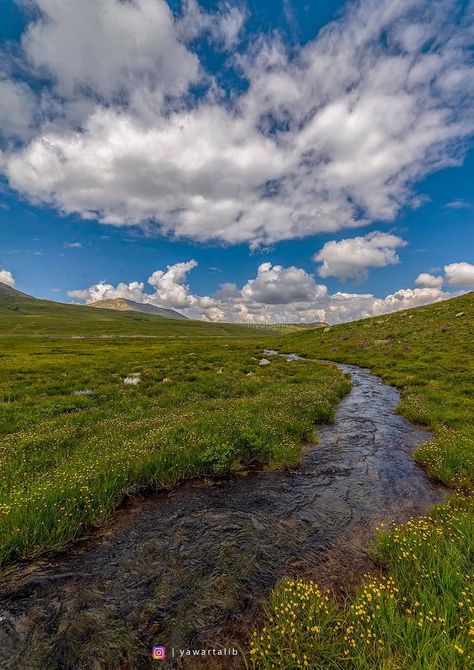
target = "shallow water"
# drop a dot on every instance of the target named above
(188, 568)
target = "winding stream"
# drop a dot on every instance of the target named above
(187, 568)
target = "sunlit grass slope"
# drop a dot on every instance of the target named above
(418, 614)
(74, 436)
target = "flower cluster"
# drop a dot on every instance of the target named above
(301, 626)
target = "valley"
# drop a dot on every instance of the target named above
(96, 424)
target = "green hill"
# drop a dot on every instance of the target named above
(23, 315)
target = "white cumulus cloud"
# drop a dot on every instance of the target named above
(108, 48)
(351, 306)
(429, 280)
(169, 285)
(330, 136)
(105, 291)
(276, 285)
(276, 294)
(353, 257)
(6, 277)
(459, 274)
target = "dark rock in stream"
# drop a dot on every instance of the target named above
(188, 568)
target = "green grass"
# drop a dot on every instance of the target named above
(416, 616)
(418, 612)
(202, 406)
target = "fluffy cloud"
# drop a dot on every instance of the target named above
(459, 274)
(353, 257)
(169, 286)
(6, 277)
(276, 285)
(180, 166)
(351, 306)
(407, 298)
(428, 280)
(170, 289)
(330, 136)
(104, 291)
(108, 48)
(276, 294)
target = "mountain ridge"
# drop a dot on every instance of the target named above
(127, 305)
(7, 291)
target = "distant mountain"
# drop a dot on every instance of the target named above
(23, 315)
(9, 294)
(126, 305)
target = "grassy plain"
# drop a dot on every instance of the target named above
(75, 437)
(418, 612)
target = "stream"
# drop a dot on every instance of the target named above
(188, 568)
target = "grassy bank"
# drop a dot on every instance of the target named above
(419, 612)
(75, 436)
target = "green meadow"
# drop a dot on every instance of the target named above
(416, 612)
(87, 420)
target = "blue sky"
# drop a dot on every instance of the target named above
(296, 151)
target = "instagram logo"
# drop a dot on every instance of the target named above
(159, 653)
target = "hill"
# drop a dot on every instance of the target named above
(306, 326)
(24, 315)
(9, 296)
(126, 305)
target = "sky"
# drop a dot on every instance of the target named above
(254, 160)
